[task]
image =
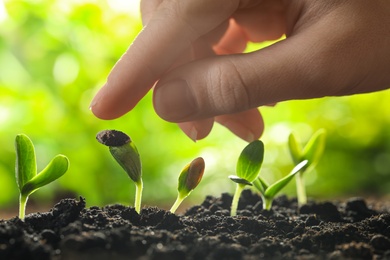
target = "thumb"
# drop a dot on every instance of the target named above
(235, 83)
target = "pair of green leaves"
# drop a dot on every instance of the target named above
(27, 178)
(312, 151)
(268, 192)
(248, 167)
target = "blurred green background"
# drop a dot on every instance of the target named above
(55, 54)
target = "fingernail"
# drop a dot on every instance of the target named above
(93, 103)
(249, 137)
(193, 134)
(174, 100)
(96, 99)
(240, 131)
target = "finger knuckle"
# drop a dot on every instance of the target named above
(228, 90)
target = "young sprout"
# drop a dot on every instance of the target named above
(189, 178)
(248, 167)
(312, 152)
(268, 193)
(27, 178)
(126, 154)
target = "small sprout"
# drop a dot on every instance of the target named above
(189, 178)
(268, 193)
(312, 152)
(126, 154)
(248, 167)
(27, 178)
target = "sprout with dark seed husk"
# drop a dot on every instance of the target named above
(27, 178)
(189, 178)
(312, 152)
(248, 167)
(126, 154)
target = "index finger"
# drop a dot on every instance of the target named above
(174, 26)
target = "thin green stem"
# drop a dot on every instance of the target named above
(239, 188)
(267, 203)
(177, 203)
(138, 195)
(22, 206)
(301, 190)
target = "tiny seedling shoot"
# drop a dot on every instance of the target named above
(268, 192)
(312, 152)
(126, 154)
(248, 167)
(27, 178)
(189, 178)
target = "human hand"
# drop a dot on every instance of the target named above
(192, 49)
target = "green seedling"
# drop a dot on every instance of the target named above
(189, 178)
(126, 154)
(312, 152)
(268, 192)
(27, 178)
(248, 167)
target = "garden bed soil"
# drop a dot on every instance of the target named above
(324, 230)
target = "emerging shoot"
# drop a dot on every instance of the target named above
(312, 152)
(126, 154)
(27, 178)
(268, 192)
(189, 178)
(248, 167)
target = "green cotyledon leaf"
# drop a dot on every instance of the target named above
(128, 157)
(239, 180)
(54, 170)
(273, 189)
(25, 167)
(295, 148)
(190, 176)
(189, 179)
(260, 184)
(314, 148)
(124, 151)
(250, 161)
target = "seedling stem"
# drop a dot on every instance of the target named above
(312, 152)
(248, 167)
(138, 195)
(22, 206)
(301, 190)
(236, 197)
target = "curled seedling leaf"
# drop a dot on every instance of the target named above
(27, 178)
(239, 180)
(124, 151)
(312, 152)
(189, 178)
(248, 167)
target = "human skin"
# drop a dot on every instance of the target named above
(191, 52)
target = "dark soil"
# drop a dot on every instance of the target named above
(348, 230)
